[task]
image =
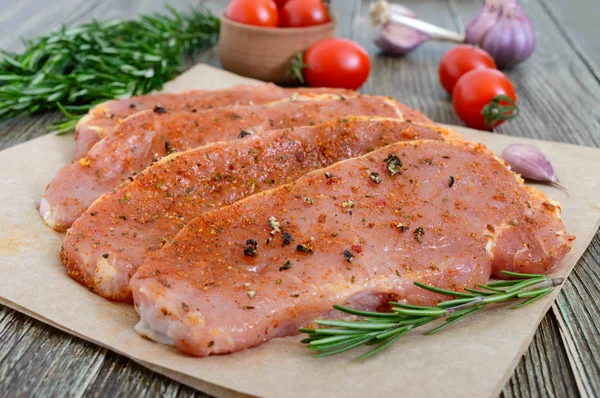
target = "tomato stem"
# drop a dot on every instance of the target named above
(500, 108)
(297, 67)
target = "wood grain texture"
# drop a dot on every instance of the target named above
(578, 20)
(579, 307)
(559, 94)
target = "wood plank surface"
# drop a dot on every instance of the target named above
(578, 21)
(559, 96)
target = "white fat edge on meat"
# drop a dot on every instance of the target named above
(450, 136)
(104, 276)
(145, 329)
(85, 119)
(47, 214)
(394, 104)
(493, 238)
(101, 131)
(153, 324)
(309, 98)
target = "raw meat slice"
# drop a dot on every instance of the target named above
(107, 244)
(102, 119)
(537, 244)
(232, 280)
(148, 136)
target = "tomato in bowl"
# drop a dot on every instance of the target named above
(266, 53)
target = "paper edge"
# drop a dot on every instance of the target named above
(202, 386)
(220, 391)
(550, 301)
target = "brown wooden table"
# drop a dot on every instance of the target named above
(559, 96)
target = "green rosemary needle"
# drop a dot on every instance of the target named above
(383, 328)
(77, 67)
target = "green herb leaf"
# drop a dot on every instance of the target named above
(333, 337)
(75, 68)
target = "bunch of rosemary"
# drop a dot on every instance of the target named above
(78, 67)
(381, 329)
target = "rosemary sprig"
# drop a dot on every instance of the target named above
(383, 328)
(75, 68)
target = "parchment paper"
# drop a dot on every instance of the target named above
(471, 359)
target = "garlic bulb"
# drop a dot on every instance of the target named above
(504, 31)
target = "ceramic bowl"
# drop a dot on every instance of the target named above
(266, 53)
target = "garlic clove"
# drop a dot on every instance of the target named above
(531, 164)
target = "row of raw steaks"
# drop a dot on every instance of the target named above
(235, 216)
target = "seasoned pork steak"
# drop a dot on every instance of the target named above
(102, 119)
(107, 244)
(148, 136)
(358, 233)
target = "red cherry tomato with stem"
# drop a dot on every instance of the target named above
(253, 12)
(299, 13)
(336, 63)
(460, 60)
(485, 98)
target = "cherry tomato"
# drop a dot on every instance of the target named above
(337, 63)
(280, 3)
(459, 61)
(484, 98)
(298, 13)
(253, 12)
